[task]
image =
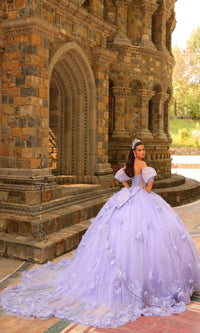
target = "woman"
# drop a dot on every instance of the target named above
(136, 258)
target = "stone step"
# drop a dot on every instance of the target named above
(72, 179)
(55, 220)
(174, 180)
(182, 194)
(41, 251)
(75, 195)
(73, 189)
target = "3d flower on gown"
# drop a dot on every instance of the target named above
(137, 258)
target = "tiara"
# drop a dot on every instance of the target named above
(135, 142)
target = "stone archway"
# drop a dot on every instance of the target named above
(72, 113)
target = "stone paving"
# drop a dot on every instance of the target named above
(188, 322)
(187, 166)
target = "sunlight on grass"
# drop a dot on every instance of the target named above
(176, 125)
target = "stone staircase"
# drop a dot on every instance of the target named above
(178, 190)
(60, 226)
(54, 232)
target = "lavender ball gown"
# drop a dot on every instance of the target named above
(137, 258)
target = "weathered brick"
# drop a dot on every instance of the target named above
(20, 81)
(16, 132)
(4, 99)
(26, 11)
(33, 142)
(30, 70)
(19, 143)
(34, 121)
(29, 49)
(30, 91)
(22, 121)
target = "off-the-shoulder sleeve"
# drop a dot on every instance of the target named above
(121, 175)
(148, 174)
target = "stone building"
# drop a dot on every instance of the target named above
(79, 80)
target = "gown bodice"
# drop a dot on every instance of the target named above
(140, 180)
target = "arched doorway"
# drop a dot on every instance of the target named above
(72, 113)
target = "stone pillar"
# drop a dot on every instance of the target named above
(101, 60)
(96, 7)
(148, 8)
(161, 22)
(121, 33)
(24, 141)
(167, 104)
(25, 104)
(145, 96)
(1, 31)
(158, 115)
(121, 94)
(170, 25)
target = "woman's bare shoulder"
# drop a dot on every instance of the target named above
(143, 164)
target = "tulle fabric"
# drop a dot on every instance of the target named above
(137, 258)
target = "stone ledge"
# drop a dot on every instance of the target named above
(53, 221)
(58, 243)
(24, 172)
(182, 194)
(57, 203)
(174, 180)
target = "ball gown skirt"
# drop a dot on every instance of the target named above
(137, 258)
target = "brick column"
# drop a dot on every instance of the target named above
(25, 122)
(170, 25)
(167, 104)
(145, 96)
(2, 38)
(101, 60)
(121, 33)
(158, 115)
(121, 94)
(161, 22)
(148, 8)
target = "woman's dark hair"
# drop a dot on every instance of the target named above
(129, 169)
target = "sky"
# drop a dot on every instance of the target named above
(188, 18)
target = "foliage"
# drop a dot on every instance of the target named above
(196, 136)
(176, 125)
(183, 134)
(186, 78)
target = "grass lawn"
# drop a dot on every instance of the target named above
(175, 125)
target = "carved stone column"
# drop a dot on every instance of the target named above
(145, 96)
(158, 115)
(148, 8)
(101, 60)
(121, 33)
(162, 17)
(170, 25)
(2, 38)
(96, 7)
(120, 101)
(167, 104)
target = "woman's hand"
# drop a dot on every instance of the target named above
(148, 187)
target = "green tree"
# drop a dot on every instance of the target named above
(186, 78)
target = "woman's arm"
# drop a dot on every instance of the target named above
(125, 184)
(148, 187)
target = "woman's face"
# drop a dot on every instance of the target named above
(139, 152)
